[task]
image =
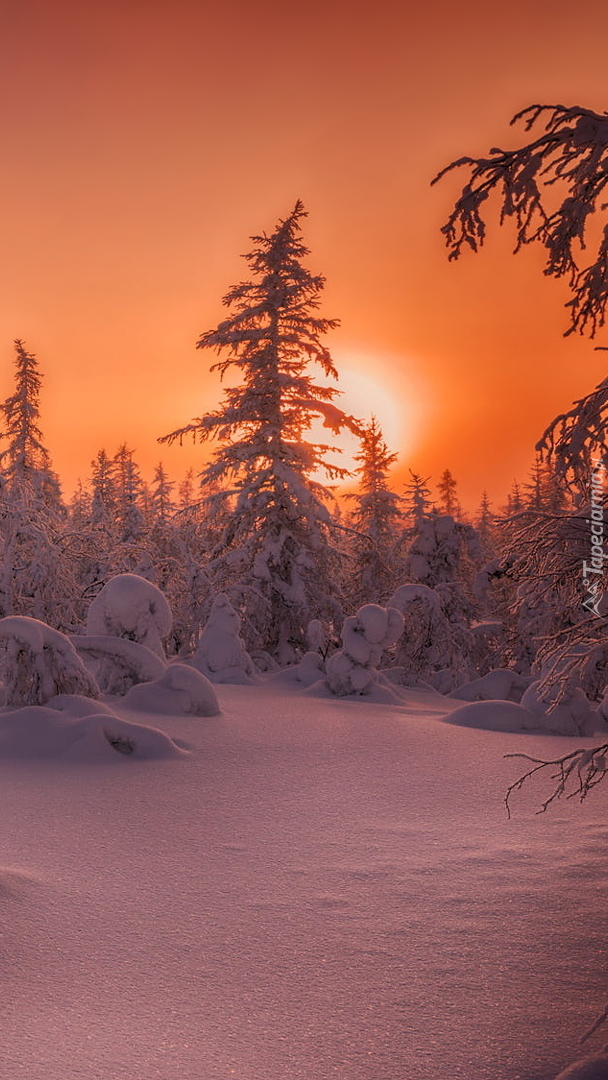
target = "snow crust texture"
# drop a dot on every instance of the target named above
(319, 888)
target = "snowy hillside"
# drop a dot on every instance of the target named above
(300, 894)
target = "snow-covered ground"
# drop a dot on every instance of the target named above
(320, 888)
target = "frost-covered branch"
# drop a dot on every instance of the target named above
(568, 161)
(575, 438)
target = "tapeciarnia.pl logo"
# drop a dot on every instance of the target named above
(594, 585)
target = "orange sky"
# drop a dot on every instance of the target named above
(144, 141)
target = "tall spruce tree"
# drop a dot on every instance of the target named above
(275, 557)
(416, 500)
(25, 461)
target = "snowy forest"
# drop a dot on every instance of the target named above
(357, 586)
(322, 618)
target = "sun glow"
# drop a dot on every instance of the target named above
(368, 387)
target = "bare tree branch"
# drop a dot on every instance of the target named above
(582, 769)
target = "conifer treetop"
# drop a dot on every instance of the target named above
(272, 335)
(25, 451)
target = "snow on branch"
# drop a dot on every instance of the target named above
(333, 418)
(576, 774)
(569, 160)
(38, 662)
(575, 437)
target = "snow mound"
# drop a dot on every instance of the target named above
(180, 690)
(119, 663)
(221, 655)
(76, 705)
(38, 662)
(494, 716)
(500, 684)
(39, 732)
(130, 607)
(594, 1067)
(573, 715)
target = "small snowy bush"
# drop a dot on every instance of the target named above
(37, 732)
(221, 655)
(130, 607)
(311, 669)
(365, 636)
(425, 644)
(38, 663)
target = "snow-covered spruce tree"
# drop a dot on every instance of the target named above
(129, 492)
(35, 575)
(416, 501)
(377, 519)
(161, 503)
(275, 560)
(545, 489)
(485, 523)
(515, 501)
(103, 503)
(25, 461)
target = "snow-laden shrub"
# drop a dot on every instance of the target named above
(365, 636)
(311, 669)
(425, 644)
(119, 663)
(317, 637)
(221, 655)
(487, 642)
(180, 689)
(572, 715)
(440, 550)
(130, 607)
(38, 662)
